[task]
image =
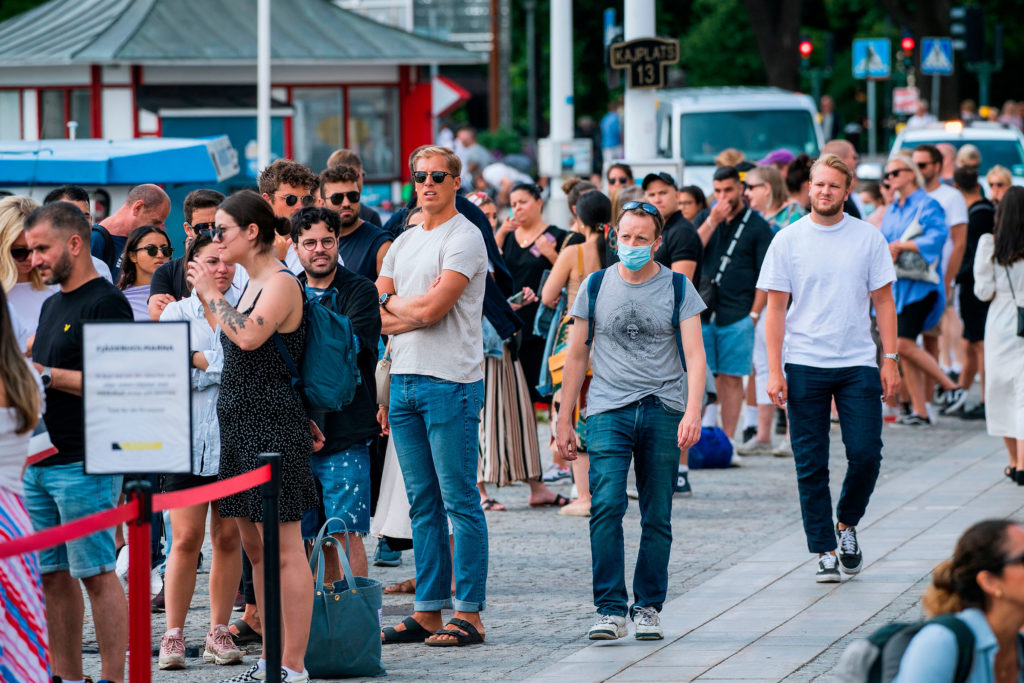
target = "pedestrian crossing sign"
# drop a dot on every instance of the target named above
(937, 56)
(872, 58)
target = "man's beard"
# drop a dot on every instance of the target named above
(348, 222)
(61, 270)
(827, 212)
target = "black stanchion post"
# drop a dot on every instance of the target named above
(271, 490)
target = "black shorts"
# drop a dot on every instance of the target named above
(972, 311)
(910, 321)
(179, 482)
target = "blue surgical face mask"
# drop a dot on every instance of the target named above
(635, 258)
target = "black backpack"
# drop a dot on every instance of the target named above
(109, 257)
(876, 659)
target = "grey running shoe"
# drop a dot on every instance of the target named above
(608, 627)
(648, 625)
(850, 557)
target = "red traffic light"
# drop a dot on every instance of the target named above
(806, 48)
(907, 44)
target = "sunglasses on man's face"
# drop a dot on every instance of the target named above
(438, 177)
(203, 228)
(336, 198)
(152, 250)
(20, 253)
(292, 200)
(643, 206)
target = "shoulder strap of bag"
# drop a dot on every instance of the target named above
(579, 259)
(593, 287)
(964, 644)
(1009, 281)
(914, 229)
(108, 245)
(727, 256)
(678, 292)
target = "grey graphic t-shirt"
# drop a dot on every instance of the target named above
(634, 351)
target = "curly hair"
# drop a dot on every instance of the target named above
(338, 174)
(285, 172)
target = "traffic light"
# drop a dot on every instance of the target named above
(907, 45)
(806, 48)
(974, 26)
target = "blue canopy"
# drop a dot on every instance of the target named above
(117, 162)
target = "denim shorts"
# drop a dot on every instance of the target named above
(730, 348)
(345, 479)
(58, 494)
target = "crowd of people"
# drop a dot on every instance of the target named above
(767, 308)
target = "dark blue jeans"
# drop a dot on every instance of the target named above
(857, 392)
(646, 432)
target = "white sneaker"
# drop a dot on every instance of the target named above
(648, 625)
(784, 449)
(608, 627)
(754, 447)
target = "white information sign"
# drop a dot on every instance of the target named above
(136, 387)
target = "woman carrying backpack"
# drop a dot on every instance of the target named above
(983, 585)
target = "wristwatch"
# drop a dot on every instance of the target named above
(383, 300)
(892, 356)
(46, 377)
(755, 315)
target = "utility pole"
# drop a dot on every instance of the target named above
(639, 137)
(531, 68)
(494, 100)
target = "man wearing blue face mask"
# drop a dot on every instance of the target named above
(642, 322)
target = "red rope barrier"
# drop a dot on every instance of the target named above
(130, 510)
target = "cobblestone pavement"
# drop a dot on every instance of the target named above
(539, 602)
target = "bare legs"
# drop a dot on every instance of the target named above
(730, 400)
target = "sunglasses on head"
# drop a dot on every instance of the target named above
(292, 200)
(20, 253)
(152, 250)
(643, 206)
(338, 197)
(420, 177)
(621, 180)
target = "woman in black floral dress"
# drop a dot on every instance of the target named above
(259, 412)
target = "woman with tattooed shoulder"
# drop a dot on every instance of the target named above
(255, 386)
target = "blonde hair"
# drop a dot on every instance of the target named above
(770, 176)
(729, 156)
(968, 153)
(904, 157)
(834, 162)
(1001, 172)
(453, 162)
(13, 211)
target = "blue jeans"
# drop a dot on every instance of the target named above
(647, 432)
(857, 392)
(435, 424)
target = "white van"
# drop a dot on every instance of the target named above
(695, 124)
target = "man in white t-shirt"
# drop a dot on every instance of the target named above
(928, 158)
(834, 267)
(431, 288)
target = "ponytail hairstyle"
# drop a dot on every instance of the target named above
(247, 207)
(954, 584)
(594, 210)
(16, 378)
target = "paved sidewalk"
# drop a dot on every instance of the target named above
(765, 619)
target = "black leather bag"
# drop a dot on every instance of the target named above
(708, 291)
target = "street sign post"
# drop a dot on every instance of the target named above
(646, 59)
(872, 60)
(936, 61)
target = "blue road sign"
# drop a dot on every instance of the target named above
(937, 56)
(872, 58)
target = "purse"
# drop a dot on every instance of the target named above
(344, 633)
(382, 374)
(1020, 309)
(910, 265)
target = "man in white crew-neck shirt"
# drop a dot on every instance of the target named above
(835, 267)
(431, 288)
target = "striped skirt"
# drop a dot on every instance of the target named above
(509, 450)
(24, 652)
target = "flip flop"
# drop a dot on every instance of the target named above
(559, 501)
(490, 504)
(407, 586)
(246, 634)
(413, 633)
(470, 637)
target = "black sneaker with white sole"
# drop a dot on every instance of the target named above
(850, 557)
(955, 400)
(914, 420)
(828, 569)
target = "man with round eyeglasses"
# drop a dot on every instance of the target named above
(361, 245)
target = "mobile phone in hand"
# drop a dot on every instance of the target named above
(516, 298)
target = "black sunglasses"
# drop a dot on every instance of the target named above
(337, 197)
(643, 206)
(20, 253)
(292, 200)
(622, 180)
(420, 177)
(894, 173)
(1015, 559)
(925, 164)
(152, 250)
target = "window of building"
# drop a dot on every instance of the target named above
(373, 130)
(57, 106)
(318, 125)
(10, 115)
